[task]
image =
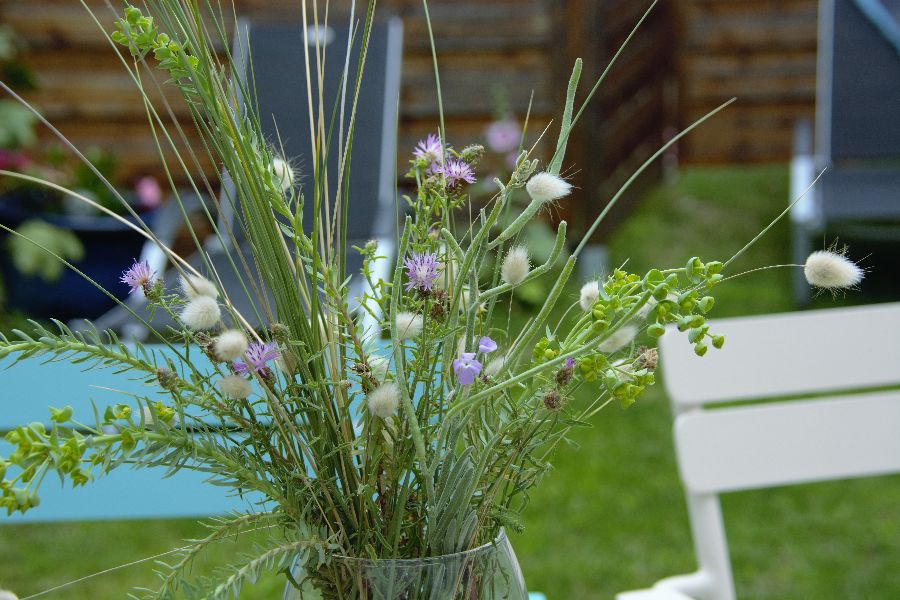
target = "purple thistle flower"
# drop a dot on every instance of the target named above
(138, 276)
(456, 170)
(421, 270)
(466, 368)
(570, 363)
(486, 345)
(430, 148)
(257, 355)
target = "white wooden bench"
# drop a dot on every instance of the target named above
(838, 435)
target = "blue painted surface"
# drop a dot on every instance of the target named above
(29, 387)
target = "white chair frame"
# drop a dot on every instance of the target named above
(763, 445)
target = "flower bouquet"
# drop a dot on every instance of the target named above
(388, 461)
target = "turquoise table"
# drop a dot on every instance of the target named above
(29, 387)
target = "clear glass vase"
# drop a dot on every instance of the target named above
(489, 572)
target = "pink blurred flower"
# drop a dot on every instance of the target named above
(148, 192)
(503, 136)
(10, 159)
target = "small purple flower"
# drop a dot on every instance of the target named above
(258, 354)
(486, 345)
(138, 276)
(503, 136)
(570, 363)
(421, 270)
(456, 170)
(430, 148)
(466, 368)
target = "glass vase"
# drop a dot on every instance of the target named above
(489, 572)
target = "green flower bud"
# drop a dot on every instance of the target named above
(700, 348)
(706, 303)
(472, 154)
(714, 267)
(694, 269)
(718, 341)
(696, 334)
(61, 415)
(656, 330)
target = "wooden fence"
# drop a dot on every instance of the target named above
(689, 56)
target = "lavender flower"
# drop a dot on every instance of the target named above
(430, 149)
(466, 368)
(486, 345)
(421, 270)
(257, 354)
(456, 170)
(570, 363)
(138, 276)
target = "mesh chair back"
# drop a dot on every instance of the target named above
(859, 79)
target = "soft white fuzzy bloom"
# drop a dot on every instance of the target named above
(283, 173)
(831, 271)
(384, 400)
(235, 387)
(201, 313)
(194, 286)
(619, 339)
(590, 293)
(230, 345)
(379, 366)
(515, 266)
(544, 187)
(7, 595)
(409, 325)
(494, 366)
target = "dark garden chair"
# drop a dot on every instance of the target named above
(857, 131)
(279, 78)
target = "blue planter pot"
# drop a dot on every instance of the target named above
(109, 247)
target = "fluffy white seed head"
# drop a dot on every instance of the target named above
(194, 286)
(235, 387)
(831, 271)
(384, 400)
(284, 173)
(7, 595)
(515, 266)
(544, 187)
(494, 366)
(590, 293)
(618, 339)
(409, 325)
(379, 367)
(201, 313)
(230, 345)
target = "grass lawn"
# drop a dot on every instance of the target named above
(611, 516)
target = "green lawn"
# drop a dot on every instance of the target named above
(611, 516)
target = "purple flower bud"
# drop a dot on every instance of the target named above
(486, 345)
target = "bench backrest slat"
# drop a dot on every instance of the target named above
(769, 445)
(788, 354)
